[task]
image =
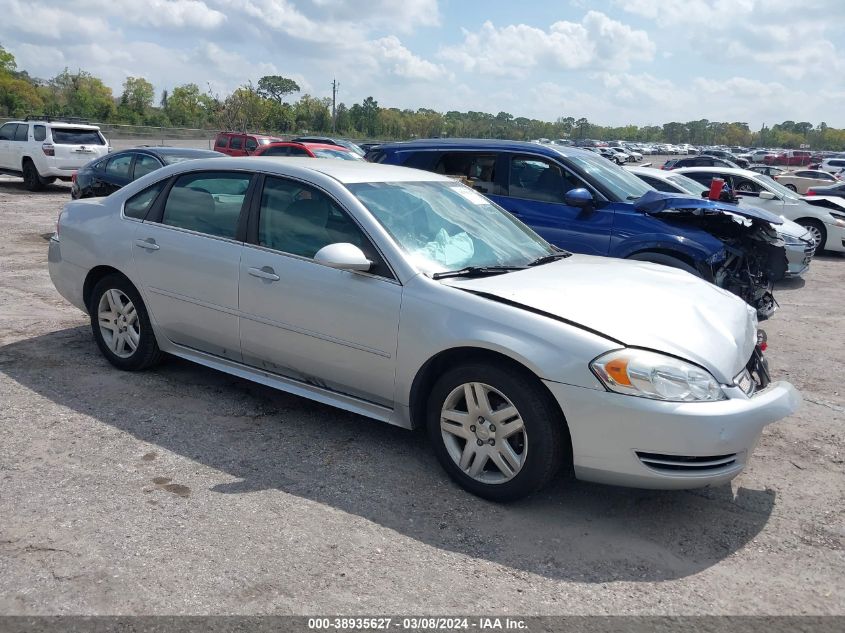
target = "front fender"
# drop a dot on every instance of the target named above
(696, 248)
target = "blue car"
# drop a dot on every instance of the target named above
(581, 202)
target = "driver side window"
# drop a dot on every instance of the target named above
(534, 178)
(300, 220)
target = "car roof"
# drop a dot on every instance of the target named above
(308, 144)
(248, 134)
(547, 149)
(649, 171)
(729, 170)
(76, 126)
(344, 171)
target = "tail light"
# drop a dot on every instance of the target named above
(810, 192)
(48, 149)
(73, 177)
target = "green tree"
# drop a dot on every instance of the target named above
(187, 106)
(138, 94)
(276, 87)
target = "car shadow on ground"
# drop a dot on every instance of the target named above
(267, 439)
(15, 186)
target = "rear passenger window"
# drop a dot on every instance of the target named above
(138, 205)
(144, 165)
(119, 166)
(39, 132)
(237, 142)
(207, 202)
(475, 170)
(23, 132)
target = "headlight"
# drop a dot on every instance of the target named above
(651, 375)
(791, 240)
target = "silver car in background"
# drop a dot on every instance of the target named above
(410, 298)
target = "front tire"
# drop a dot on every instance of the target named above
(818, 232)
(121, 325)
(792, 188)
(496, 431)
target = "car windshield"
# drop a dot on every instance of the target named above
(776, 187)
(687, 184)
(446, 226)
(622, 184)
(336, 153)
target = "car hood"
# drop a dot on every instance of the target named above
(637, 304)
(654, 202)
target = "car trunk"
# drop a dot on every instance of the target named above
(74, 147)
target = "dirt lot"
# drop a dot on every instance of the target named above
(183, 490)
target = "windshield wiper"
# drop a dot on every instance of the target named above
(550, 258)
(476, 271)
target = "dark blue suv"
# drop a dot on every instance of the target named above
(581, 202)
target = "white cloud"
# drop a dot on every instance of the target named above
(400, 61)
(595, 42)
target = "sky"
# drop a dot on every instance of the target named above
(612, 61)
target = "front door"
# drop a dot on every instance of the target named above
(535, 193)
(187, 255)
(332, 328)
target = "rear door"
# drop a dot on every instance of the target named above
(74, 147)
(18, 145)
(187, 255)
(535, 194)
(236, 145)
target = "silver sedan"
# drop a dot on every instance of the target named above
(410, 298)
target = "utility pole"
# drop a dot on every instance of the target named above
(335, 86)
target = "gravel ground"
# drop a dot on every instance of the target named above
(186, 491)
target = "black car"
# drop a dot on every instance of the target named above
(837, 190)
(699, 161)
(728, 156)
(108, 174)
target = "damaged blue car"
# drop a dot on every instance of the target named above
(580, 202)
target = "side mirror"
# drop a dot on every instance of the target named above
(767, 195)
(343, 256)
(579, 197)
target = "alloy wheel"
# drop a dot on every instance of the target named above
(484, 433)
(119, 324)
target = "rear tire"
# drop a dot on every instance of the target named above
(31, 179)
(792, 188)
(121, 325)
(504, 436)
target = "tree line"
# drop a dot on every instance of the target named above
(269, 106)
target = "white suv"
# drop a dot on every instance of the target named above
(43, 150)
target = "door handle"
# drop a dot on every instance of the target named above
(264, 273)
(149, 244)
